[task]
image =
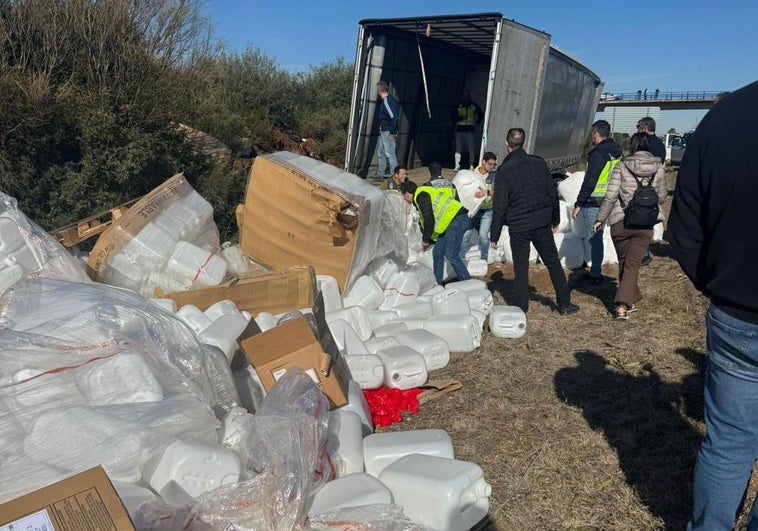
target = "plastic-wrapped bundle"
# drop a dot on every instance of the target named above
(37, 253)
(171, 222)
(283, 457)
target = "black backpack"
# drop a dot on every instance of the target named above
(641, 211)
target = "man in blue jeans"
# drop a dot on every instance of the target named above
(388, 125)
(600, 163)
(443, 221)
(711, 236)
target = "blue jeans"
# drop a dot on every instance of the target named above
(586, 218)
(482, 218)
(730, 446)
(448, 246)
(386, 151)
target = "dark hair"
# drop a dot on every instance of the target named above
(398, 168)
(408, 187)
(648, 122)
(602, 128)
(515, 137)
(489, 155)
(639, 142)
(435, 169)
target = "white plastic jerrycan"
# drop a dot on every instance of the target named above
(507, 321)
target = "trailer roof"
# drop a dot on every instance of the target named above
(473, 32)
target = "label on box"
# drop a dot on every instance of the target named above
(39, 521)
(280, 372)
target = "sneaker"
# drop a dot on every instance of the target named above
(621, 313)
(646, 260)
(632, 309)
(568, 309)
(457, 168)
(471, 168)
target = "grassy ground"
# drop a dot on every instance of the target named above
(585, 422)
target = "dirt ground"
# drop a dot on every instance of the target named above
(585, 422)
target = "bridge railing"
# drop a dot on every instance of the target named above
(658, 95)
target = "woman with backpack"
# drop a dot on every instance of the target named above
(635, 189)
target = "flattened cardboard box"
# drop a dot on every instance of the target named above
(84, 502)
(290, 218)
(278, 291)
(293, 344)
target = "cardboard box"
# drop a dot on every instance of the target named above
(298, 210)
(84, 502)
(278, 291)
(293, 344)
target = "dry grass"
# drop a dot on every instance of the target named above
(585, 422)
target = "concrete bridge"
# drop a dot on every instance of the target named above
(667, 101)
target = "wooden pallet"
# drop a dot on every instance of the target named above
(87, 228)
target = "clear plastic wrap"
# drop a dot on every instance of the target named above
(375, 517)
(283, 454)
(168, 239)
(91, 374)
(37, 253)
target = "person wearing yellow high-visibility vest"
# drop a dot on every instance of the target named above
(466, 116)
(443, 220)
(600, 163)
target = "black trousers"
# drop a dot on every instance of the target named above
(544, 242)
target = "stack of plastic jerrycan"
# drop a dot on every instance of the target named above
(382, 449)
(439, 493)
(507, 321)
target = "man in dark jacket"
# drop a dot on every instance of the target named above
(526, 199)
(711, 235)
(600, 163)
(388, 126)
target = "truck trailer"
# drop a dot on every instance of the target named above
(511, 71)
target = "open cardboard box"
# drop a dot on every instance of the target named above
(84, 502)
(276, 291)
(294, 344)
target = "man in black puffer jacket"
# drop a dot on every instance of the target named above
(526, 199)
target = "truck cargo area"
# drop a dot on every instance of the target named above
(510, 70)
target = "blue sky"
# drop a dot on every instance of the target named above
(671, 45)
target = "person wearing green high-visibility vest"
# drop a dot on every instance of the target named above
(443, 219)
(600, 163)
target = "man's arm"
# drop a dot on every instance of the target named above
(685, 232)
(499, 205)
(392, 110)
(595, 164)
(424, 202)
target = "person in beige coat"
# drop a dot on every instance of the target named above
(630, 244)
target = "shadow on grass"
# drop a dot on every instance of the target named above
(504, 286)
(641, 418)
(605, 292)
